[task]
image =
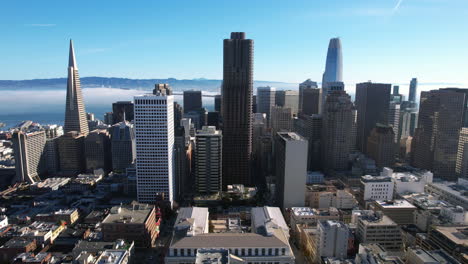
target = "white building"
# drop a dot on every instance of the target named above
(409, 182)
(291, 169)
(265, 100)
(3, 221)
(377, 187)
(452, 192)
(340, 199)
(154, 134)
(268, 242)
(332, 239)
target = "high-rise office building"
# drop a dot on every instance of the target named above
(178, 114)
(372, 105)
(333, 67)
(281, 119)
(236, 108)
(332, 239)
(217, 103)
(121, 110)
(154, 134)
(339, 117)
(254, 103)
(394, 118)
(52, 155)
(162, 88)
(291, 169)
(109, 118)
(75, 113)
(208, 160)
(122, 146)
(408, 122)
(192, 100)
(381, 145)
(291, 100)
(213, 119)
(265, 100)
(310, 127)
(442, 114)
(29, 149)
(183, 148)
(71, 153)
(97, 150)
(280, 97)
(309, 98)
(412, 90)
(462, 154)
(90, 117)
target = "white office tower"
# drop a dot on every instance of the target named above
(208, 160)
(332, 239)
(291, 169)
(154, 134)
(265, 99)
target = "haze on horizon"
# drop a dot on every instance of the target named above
(383, 41)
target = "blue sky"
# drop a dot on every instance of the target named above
(383, 40)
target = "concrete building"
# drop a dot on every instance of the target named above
(452, 192)
(375, 253)
(268, 241)
(236, 108)
(422, 256)
(192, 101)
(281, 119)
(291, 100)
(265, 100)
(122, 111)
(309, 217)
(208, 160)
(135, 222)
(97, 150)
(339, 118)
(462, 154)
(332, 239)
(71, 153)
(381, 145)
(400, 211)
(394, 118)
(309, 98)
(30, 155)
(52, 156)
(75, 113)
(340, 199)
(435, 143)
(377, 187)
(123, 149)
(154, 134)
(379, 229)
(451, 239)
(372, 105)
(409, 182)
(310, 127)
(291, 169)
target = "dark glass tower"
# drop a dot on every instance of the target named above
(412, 90)
(192, 101)
(333, 68)
(236, 108)
(75, 113)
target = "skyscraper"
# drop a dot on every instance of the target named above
(97, 149)
(265, 100)
(122, 109)
(208, 160)
(291, 169)
(75, 114)
(394, 118)
(122, 146)
(339, 119)
(462, 154)
(291, 100)
(310, 100)
(217, 103)
(281, 119)
(412, 90)
(29, 148)
(381, 145)
(442, 114)
(372, 105)
(307, 84)
(71, 153)
(192, 100)
(333, 67)
(310, 127)
(154, 134)
(236, 108)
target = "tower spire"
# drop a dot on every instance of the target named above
(71, 58)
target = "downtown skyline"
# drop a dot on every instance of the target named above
(393, 35)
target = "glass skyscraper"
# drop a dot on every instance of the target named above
(333, 67)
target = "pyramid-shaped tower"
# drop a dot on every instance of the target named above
(75, 114)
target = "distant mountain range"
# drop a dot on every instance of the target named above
(124, 83)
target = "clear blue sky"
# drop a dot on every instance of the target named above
(383, 40)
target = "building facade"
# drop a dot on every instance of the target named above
(123, 150)
(30, 155)
(265, 100)
(208, 160)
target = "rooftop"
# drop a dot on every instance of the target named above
(291, 136)
(457, 234)
(134, 214)
(229, 240)
(369, 178)
(111, 256)
(396, 204)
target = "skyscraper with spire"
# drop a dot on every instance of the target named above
(75, 114)
(333, 68)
